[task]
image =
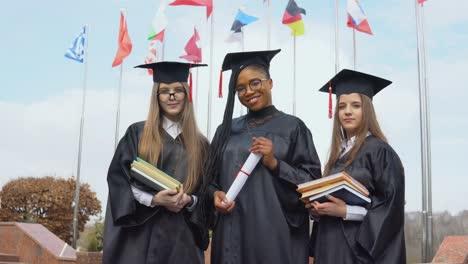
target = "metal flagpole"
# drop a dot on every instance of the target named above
(80, 144)
(210, 89)
(268, 25)
(428, 143)
(337, 66)
(294, 76)
(196, 94)
(117, 119)
(241, 107)
(425, 139)
(354, 48)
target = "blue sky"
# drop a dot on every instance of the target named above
(40, 95)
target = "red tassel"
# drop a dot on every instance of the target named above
(190, 87)
(330, 106)
(220, 89)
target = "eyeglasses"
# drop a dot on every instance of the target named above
(254, 84)
(178, 94)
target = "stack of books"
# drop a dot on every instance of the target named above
(152, 176)
(340, 185)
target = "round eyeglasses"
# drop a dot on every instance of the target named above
(254, 84)
(166, 95)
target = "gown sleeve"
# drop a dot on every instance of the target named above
(303, 162)
(126, 211)
(384, 222)
(302, 165)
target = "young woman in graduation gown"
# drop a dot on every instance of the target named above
(360, 234)
(266, 223)
(143, 225)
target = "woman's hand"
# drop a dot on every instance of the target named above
(312, 211)
(336, 207)
(222, 204)
(171, 199)
(264, 146)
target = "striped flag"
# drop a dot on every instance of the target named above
(242, 19)
(158, 27)
(356, 17)
(77, 49)
(293, 19)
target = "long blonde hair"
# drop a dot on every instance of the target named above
(369, 124)
(195, 143)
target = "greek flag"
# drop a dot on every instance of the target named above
(77, 49)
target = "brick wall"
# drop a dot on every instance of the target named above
(88, 257)
(15, 240)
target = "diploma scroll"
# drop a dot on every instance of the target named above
(243, 175)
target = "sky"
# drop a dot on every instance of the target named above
(41, 91)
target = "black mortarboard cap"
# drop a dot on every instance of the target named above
(349, 81)
(170, 71)
(237, 61)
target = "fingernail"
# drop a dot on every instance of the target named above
(327, 196)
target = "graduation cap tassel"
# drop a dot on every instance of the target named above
(190, 87)
(330, 106)
(220, 89)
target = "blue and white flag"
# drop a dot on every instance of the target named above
(77, 49)
(242, 19)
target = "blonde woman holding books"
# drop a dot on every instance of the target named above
(360, 234)
(144, 225)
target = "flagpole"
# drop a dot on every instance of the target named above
(163, 49)
(117, 119)
(337, 66)
(210, 89)
(425, 138)
(80, 144)
(354, 48)
(241, 107)
(196, 94)
(294, 76)
(268, 25)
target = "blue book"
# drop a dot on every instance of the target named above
(349, 195)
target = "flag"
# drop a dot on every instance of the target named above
(241, 20)
(125, 44)
(151, 57)
(421, 1)
(356, 17)
(159, 23)
(194, 52)
(77, 49)
(207, 3)
(293, 19)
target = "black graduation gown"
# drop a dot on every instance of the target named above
(379, 238)
(135, 233)
(269, 223)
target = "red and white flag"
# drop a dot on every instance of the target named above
(356, 17)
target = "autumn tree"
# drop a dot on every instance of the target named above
(48, 201)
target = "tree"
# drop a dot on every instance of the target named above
(48, 201)
(92, 238)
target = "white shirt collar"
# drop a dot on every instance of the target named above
(348, 144)
(172, 128)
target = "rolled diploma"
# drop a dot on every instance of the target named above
(243, 175)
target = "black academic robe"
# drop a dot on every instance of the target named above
(269, 223)
(379, 237)
(135, 233)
